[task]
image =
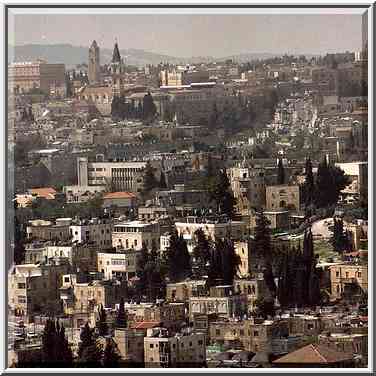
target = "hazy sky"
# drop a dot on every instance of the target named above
(196, 35)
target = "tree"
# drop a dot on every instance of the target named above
(177, 258)
(265, 307)
(115, 108)
(102, 322)
(340, 239)
(19, 248)
(230, 260)
(220, 193)
(329, 183)
(263, 249)
(56, 351)
(89, 350)
(121, 319)
(214, 117)
(162, 181)
(49, 351)
(281, 172)
(141, 273)
(309, 184)
(201, 252)
(149, 108)
(111, 356)
(150, 182)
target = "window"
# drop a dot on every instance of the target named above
(337, 274)
(241, 332)
(190, 344)
(347, 274)
(200, 342)
(359, 274)
(21, 286)
(255, 333)
(152, 346)
(217, 332)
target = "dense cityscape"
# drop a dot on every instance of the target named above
(189, 215)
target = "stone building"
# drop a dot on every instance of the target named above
(118, 265)
(25, 76)
(34, 288)
(86, 296)
(282, 197)
(94, 64)
(348, 281)
(132, 235)
(248, 185)
(185, 349)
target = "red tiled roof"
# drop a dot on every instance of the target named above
(314, 354)
(145, 325)
(119, 195)
(47, 193)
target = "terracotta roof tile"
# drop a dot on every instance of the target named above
(145, 325)
(314, 354)
(47, 193)
(119, 195)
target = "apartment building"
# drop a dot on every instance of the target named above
(95, 230)
(226, 306)
(86, 296)
(248, 186)
(118, 265)
(25, 76)
(132, 235)
(185, 349)
(122, 176)
(212, 227)
(47, 230)
(348, 281)
(34, 288)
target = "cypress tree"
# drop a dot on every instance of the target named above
(49, 343)
(178, 258)
(65, 350)
(323, 183)
(90, 350)
(230, 261)
(141, 273)
(309, 184)
(162, 181)
(281, 172)
(215, 275)
(149, 108)
(340, 239)
(150, 182)
(111, 355)
(221, 194)
(263, 249)
(121, 319)
(102, 322)
(202, 251)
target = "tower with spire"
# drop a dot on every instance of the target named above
(117, 71)
(94, 64)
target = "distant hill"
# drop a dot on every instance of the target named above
(74, 55)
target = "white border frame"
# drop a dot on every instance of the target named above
(275, 9)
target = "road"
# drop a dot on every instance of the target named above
(321, 227)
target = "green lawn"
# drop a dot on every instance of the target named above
(325, 250)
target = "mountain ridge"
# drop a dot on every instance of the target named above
(72, 55)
